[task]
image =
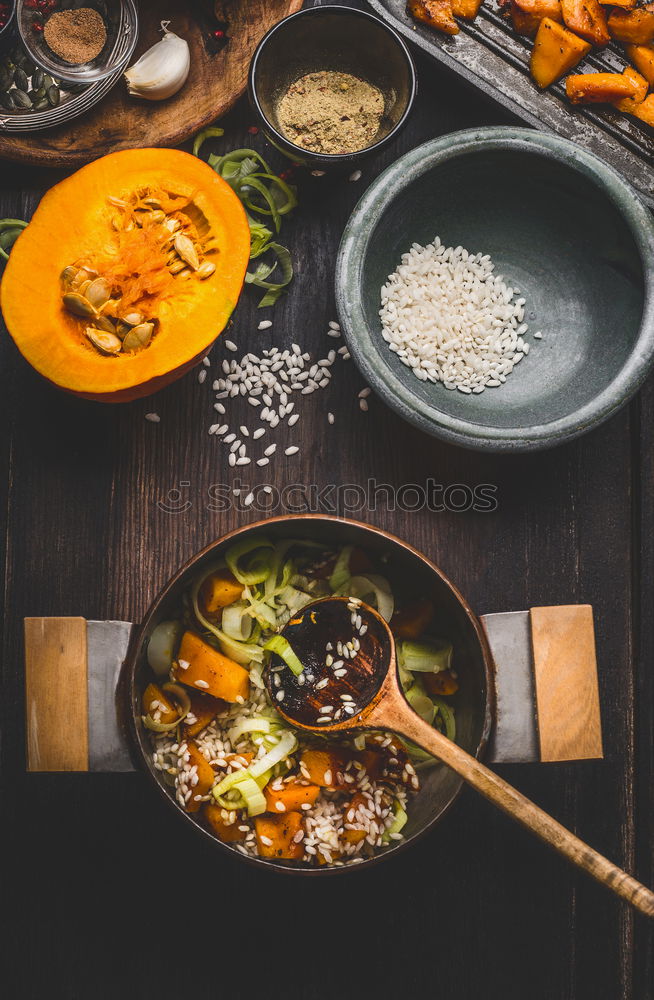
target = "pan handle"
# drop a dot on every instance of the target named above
(547, 691)
(71, 674)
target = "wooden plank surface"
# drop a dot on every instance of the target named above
(565, 674)
(56, 699)
(476, 909)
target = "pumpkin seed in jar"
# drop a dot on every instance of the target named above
(38, 77)
(37, 95)
(7, 101)
(41, 105)
(138, 337)
(186, 250)
(21, 99)
(78, 305)
(20, 79)
(106, 343)
(205, 270)
(53, 95)
(98, 292)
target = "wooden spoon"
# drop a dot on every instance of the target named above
(349, 681)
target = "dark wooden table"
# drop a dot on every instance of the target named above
(107, 894)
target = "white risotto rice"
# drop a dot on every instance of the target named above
(451, 319)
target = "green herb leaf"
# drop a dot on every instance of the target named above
(10, 230)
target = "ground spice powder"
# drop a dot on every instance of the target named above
(76, 36)
(331, 112)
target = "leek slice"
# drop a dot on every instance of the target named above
(421, 703)
(286, 746)
(253, 797)
(425, 657)
(341, 572)
(259, 566)
(255, 724)
(447, 715)
(398, 823)
(374, 590)
(237, 621)
(282, 647)
(161, 647)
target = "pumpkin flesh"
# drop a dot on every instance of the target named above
(82, 222)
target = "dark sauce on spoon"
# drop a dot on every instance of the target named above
(344, 651)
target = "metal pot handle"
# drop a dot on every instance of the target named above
(545, 679)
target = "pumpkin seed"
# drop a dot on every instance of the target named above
(152, 202)
(98, 292)
(177, 266)
(20, 99)
(117, 202)
(7, 100)
(6, 78)
(110, 308)
(47, 81)
(186, 273)
(41, 105)
(78, 305)
(38, 77)
(157, 215)
(122, 329)
(205, 269)
(68, 274)
(138, 337)
(104, 323)
(187, 251)
(81, 276)
(53, 95)
(171, 225)
(133, 318)
(83, 288)
(106, 343)
(37, 95)
(20, 79)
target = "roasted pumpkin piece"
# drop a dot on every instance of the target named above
(221, 824)
(219, 590)
(205, 668)
(624, 4)
(278, 836)
(645, 110)
(158, 706)
(291, 796)
(411, 622)
(442, 683)
(467, 9)
(587, 19)
(598, 88)
(556, 51)
(205, 775)
(526, 15)
(204, 709)
(384, 757)
(95, 294)
(436, 13)
(323, 767)
(628, 103)
(633, 26)
(642, 56)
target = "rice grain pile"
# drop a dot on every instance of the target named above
(450, 319)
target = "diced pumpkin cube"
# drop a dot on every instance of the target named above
(219, 590)
(442, 683)
(226, 831)
(598, 88)
(645, 110)
(411, 622)
(587, 19)
(322, 767)
(526, 15)
(204, 709)
(624, 4)
(276, 835)
(642, 56)
(383, 760)
(155, 701)
(436, 13)
(556, 51)
(290, 797)
(628, 103)
(205, 668)
(467, 9)
(633, 26)
(206, 777)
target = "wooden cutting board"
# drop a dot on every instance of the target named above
(121, 122)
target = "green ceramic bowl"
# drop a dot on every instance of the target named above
(559, 224)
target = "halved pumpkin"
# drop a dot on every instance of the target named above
(159, 244)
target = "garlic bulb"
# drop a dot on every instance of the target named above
(162, 70)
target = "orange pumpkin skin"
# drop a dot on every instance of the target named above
(72, 223)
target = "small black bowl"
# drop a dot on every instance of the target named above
(8, 34)
(332, 38)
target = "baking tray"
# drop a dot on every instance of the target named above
(490, 56)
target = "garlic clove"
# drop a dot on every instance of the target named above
(161, 71)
